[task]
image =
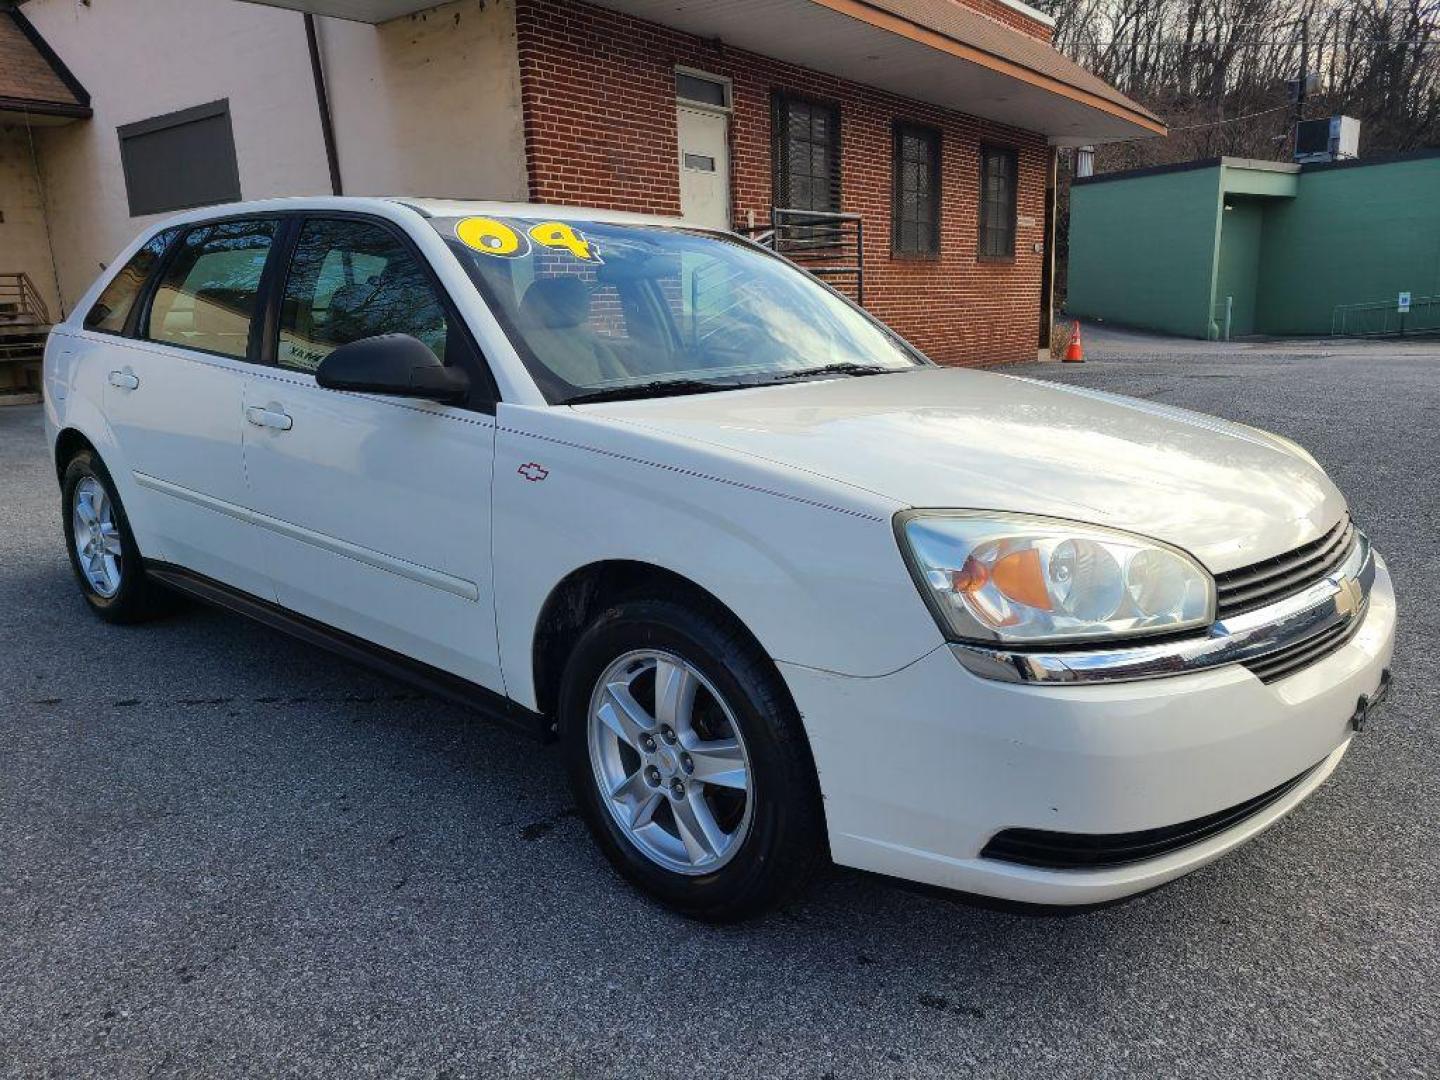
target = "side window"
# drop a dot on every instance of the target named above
(351, 280)
(110, 311)
(209, 292)
(998, 169)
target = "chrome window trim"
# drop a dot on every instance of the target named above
(1339, 598)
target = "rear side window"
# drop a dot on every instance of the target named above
(351, 280)
(113, 307)
(210, 290)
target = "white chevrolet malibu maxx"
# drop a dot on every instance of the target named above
(781, 587)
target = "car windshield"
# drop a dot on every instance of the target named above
(600, 311)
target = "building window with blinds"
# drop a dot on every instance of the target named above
(915, 198)
(806, 154)
(998, 170)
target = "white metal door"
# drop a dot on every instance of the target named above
(374, 511)
(704, 166)
(376, 517)
(177, 418)
(174, 403)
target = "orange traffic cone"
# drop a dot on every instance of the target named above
(1075, 351)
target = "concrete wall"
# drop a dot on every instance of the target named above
(1353, 234)
(1143, 251)
(1294, 246)
(427, 104)
(24, 245)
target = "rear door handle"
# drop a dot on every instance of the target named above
(124, 380)
(269, 418)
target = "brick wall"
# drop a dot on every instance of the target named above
(598, 94)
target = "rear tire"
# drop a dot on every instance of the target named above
(102, 547)
(689, 762)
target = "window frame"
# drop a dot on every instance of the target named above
(780, 100)
(935, 139)
(141, 317)
(982, 224)
(484, 394)
(725, 82)
(167, 121)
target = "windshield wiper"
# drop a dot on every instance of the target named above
(655, 388)
(845, 368)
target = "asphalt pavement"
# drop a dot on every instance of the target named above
(223, 853)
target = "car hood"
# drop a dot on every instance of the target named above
(1229, 494)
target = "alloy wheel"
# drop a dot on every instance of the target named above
(670, 762)
(97, 537)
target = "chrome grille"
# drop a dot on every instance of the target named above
(1272, 667)
(1263, 583)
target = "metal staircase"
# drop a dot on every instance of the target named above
(24, 325)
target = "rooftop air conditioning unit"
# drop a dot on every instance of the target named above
(1335, 138)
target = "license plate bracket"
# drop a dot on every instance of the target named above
(1369, 704)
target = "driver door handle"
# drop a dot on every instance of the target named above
(269, 418)
(124, 380)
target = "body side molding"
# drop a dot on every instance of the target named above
(493, 706)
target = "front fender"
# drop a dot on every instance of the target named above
(813, 573)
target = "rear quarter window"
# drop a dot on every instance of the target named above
(111, 310)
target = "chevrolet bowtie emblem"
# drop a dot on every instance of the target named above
(1348, 599)
(533, 471)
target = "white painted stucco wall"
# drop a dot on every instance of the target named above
(24, 245)
(426, 104)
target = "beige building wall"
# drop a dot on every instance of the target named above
(429, 104)
(24, 245)
(426, 104)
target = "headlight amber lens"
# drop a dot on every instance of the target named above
(1020, 579)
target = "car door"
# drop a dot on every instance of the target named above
(173, 398)
(374, 511)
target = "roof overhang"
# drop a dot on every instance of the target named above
(366, 11)
(876, 45)
(40, 113)
(36, 88)
(937, 52)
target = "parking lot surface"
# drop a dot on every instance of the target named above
(223, 853)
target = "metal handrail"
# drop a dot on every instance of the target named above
(1383, 318)
(828, 244)
(23, 301)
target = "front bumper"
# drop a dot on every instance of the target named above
(921, 768)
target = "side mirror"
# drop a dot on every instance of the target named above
(395, 364)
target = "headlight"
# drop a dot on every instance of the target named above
(998, 577)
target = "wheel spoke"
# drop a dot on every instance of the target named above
(720, 762)
(699, 831)
(85, 510)
(637, 797)
(674, 695)
(110, 539)
(623, 715)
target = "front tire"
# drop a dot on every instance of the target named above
(689, 761)
(101, 545)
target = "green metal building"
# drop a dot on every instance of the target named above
(1288, 249)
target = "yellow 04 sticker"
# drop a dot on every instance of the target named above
(491, 236)
(562, 237)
